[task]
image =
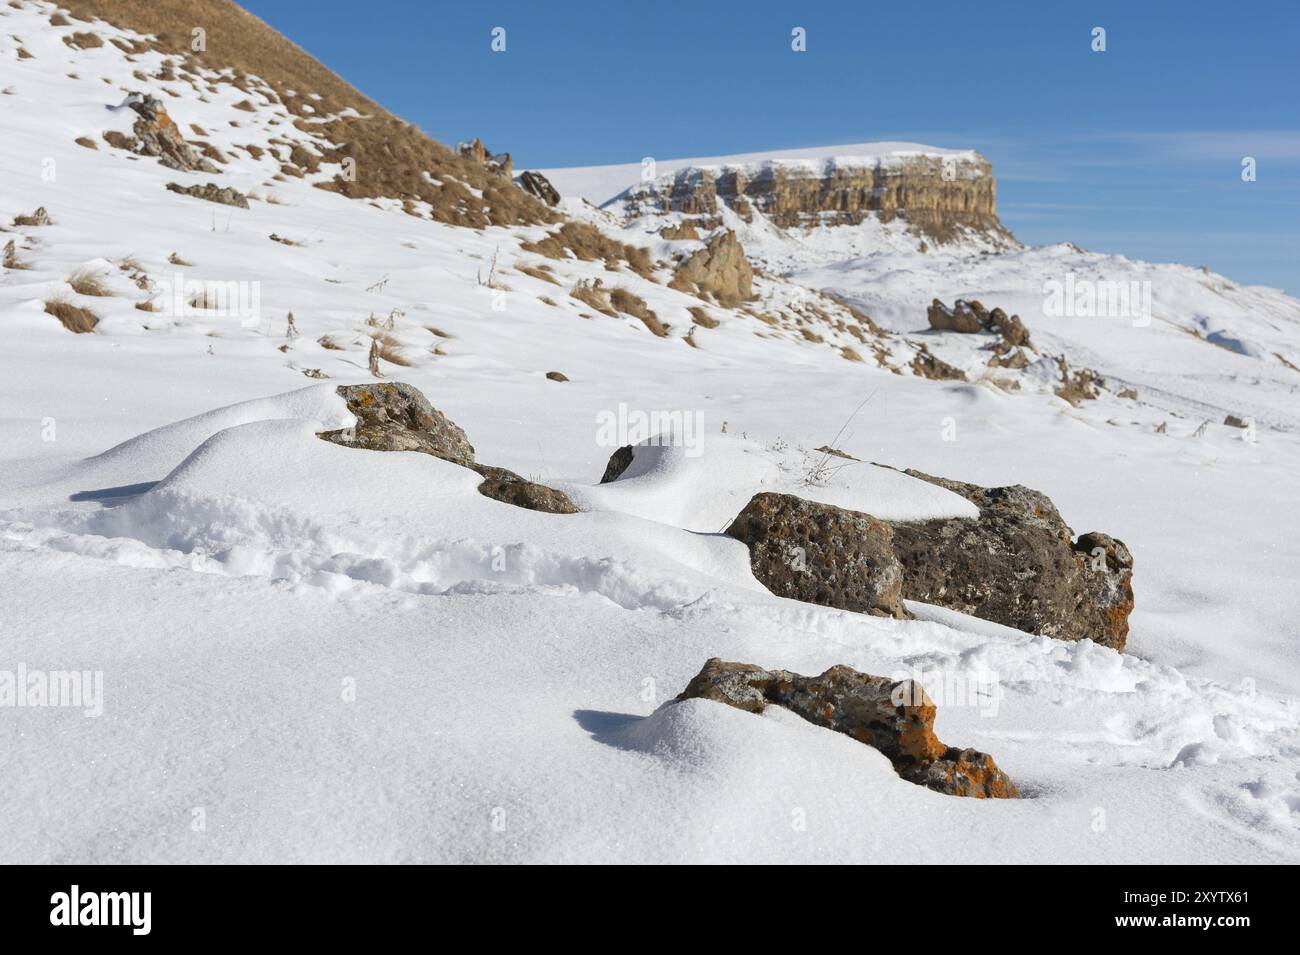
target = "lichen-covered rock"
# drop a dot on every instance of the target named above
(509, 488)
(821, 554)
(720, 269)
(895, 717)
(156, 135)
(1018, 564)
(392, 416)
(226, 196)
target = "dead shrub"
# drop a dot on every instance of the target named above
(630, 304)
(590, 292)
(74, 318)
(89, 282)
(701, 317)
(389, 350)
(538, 272)
(10, 259)
(38, 218)
(589, 244)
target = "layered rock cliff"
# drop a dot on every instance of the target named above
(939, 195)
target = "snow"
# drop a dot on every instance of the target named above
(328, 654)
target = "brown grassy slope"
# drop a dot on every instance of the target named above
(390, 154)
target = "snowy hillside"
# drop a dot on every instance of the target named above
(331, 654)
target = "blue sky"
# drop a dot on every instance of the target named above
(1135, 150)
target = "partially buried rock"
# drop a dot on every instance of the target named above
(225, 196)
(821, 554)
(557, 376)
(156, 135)
(392, 416)
(397, 417)
(509, 488)
(535, 184)
(895, 717)
(1018, 564)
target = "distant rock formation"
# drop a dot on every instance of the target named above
(894, 717)
(938, 196)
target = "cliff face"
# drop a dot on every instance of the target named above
(937, 195)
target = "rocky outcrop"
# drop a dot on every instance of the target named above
(1018, 564)
(960, 318)
(211, 192)
(894, 717)
(938, 196)
(155, 134)
(972, 317)
(398, 417)
(535, 184)
(821, 554)
(720, 269)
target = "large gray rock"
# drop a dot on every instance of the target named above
(1018, 564)
(821, 554)
(895, 717)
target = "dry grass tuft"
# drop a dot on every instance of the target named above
(74, 318)
(10, 258)
(390, 350)
(148, 305)
(594, 294)
(38, 218)
(175, 259)
(701, 317)
(87, 142)
(631, 304)
(538, 272)
(89, 282)
(589, 244)
(849, 353)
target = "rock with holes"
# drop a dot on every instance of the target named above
(822, 554)
(894, 717)
(1018, 564)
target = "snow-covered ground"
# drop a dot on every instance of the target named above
(317, 653)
